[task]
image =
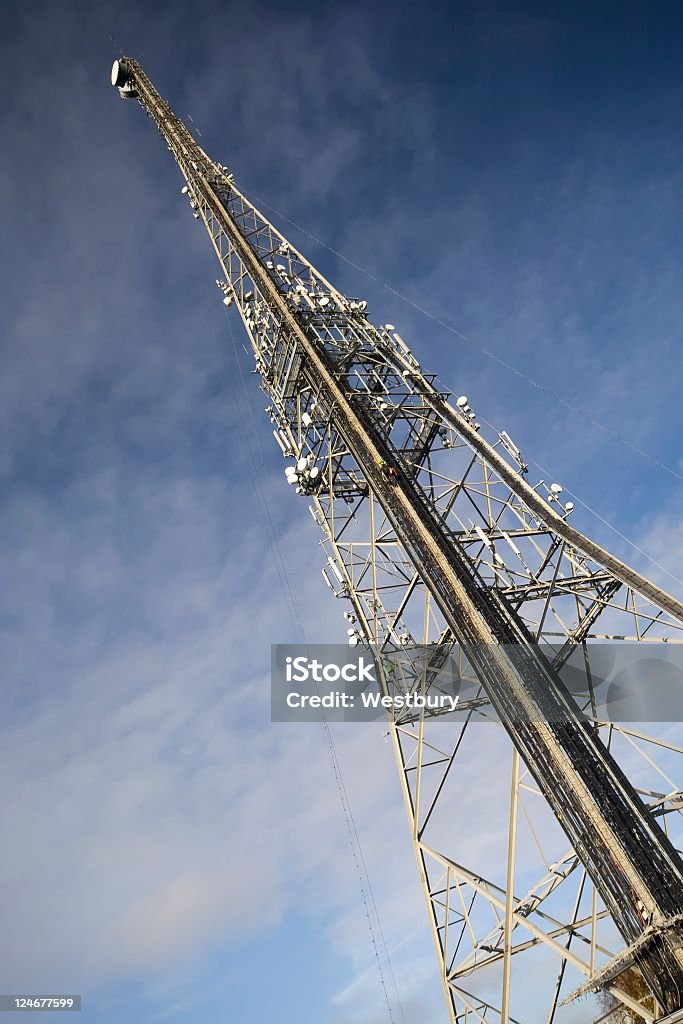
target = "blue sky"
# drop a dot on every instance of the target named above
(515, 168)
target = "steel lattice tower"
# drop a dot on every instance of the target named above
(435, 537)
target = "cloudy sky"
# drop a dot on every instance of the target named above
(513, 168)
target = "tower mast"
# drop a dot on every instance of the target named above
(435, 537)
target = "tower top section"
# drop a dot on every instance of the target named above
(122, 77)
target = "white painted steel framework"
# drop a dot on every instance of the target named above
(433, 537)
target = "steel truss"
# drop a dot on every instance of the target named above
(436, 540)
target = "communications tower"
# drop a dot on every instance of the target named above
(436, 539)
